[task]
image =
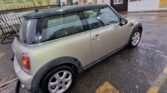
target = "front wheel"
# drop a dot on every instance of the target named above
(58, 80)
(135, 38)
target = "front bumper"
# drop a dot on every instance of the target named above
(25, 78)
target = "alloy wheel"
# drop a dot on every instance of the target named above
(60, 81)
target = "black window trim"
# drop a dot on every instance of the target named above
(84, 23)
(79, 13)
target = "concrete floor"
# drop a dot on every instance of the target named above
(139, 70)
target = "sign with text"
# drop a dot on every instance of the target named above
(163, 4)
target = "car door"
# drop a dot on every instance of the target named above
(105, 32)
(120, 31)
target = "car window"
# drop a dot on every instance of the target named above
(107, 16)
(23, 31)
(100, 17)
(61, 26)
(27, 32)
(93, 21)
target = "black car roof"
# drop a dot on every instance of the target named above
(62, 10)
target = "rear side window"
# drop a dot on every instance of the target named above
(61, 26)
(101, 17)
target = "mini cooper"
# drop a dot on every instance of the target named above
(55, 45)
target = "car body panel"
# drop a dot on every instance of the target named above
(76, 46)
(110, 38)
(25, 78)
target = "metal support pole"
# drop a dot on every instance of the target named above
(59, 3)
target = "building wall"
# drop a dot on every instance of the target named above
(93, 1)
(120, 7)
(146, 5)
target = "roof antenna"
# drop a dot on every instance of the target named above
(36, 9)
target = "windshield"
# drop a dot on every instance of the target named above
(27, 31)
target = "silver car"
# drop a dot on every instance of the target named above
(55, 45)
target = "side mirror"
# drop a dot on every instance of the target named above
(123, 21)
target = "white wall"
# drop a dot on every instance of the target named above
(65, 1)
(107, 2)
(144, 5)
(99, 1)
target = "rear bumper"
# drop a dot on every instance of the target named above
(25, 78)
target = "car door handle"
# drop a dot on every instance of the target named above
(96, 37)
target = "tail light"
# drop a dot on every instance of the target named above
(26, 62)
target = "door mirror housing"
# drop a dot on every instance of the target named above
(123, 21)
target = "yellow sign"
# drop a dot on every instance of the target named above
(17, 4)
(163, 4)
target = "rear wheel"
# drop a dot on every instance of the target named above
(58, 80)
(135, 38)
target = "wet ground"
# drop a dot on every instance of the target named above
(139, 70)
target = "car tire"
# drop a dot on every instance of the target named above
(135, 38)
(59, 80)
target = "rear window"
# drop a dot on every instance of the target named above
(60, 26)
(27, 32)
